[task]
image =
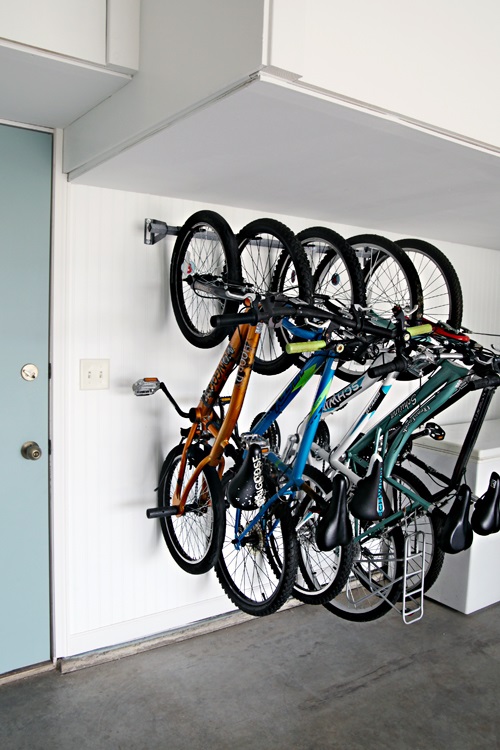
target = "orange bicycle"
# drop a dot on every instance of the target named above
(191, 505)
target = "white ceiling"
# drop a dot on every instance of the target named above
(279, 149)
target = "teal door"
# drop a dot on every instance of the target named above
(25, 214)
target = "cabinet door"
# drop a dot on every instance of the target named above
(76, 28)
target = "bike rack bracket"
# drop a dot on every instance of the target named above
(155, 230)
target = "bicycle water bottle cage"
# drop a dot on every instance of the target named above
(334, 528)
(485, 518)
(369, 502)
(456, 533)
(248, 489)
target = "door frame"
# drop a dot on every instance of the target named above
(58, 413)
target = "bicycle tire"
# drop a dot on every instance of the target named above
(205, 246)
(273, 261)
(429, 523)
(443, 300)
(389, 275)
(337, 271)
(249, 575)
(384, 264)
(193, 539)
(320, 575)
(377, 569)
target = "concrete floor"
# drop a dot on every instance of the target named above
(300, 679)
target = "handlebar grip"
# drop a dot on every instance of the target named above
(234, 319)
(305, 346)
(492, 381)
(421, 330)
(397, 365)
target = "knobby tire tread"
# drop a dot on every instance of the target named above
(209, 337)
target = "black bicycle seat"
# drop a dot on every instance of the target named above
(456, 533)
(334, 528)
(486, 515)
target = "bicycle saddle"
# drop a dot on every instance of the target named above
(456, 533)
(369, 502)
(334, 528)
(247, 490)
(486, 515)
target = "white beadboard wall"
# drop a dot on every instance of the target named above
(113, 578)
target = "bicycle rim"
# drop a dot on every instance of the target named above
(321, 575)
(257, 575)
(375, 581)
(272, 260)
(390, 278)
(418, 521)
(443, 301)
(194, 539)
(205, 248)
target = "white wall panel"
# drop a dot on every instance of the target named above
(114, 579)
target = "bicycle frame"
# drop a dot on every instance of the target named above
(240, 352)
(427, 400)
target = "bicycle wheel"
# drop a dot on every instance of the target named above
(440, 284)
(338, 274)
(194, 539)
(320, 575)
(429, 524)
(250, 573)
(390, 280)
(205, 248)
(375, 581)
(390, 277)
(272, 260)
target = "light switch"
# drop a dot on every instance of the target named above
(94, 374)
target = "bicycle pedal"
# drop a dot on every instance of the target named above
(146, 386)
(162, 512)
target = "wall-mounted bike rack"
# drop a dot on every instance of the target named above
(155, 230)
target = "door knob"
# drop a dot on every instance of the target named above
(31, 451)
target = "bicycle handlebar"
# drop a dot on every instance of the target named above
(231, 320)
(491, 381)
(301, 310)
(298, 347)
(378, 371)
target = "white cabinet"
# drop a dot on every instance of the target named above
(67, 27)
(469, 579)
(373, 115)
(61, 58)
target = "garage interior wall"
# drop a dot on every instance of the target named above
(114, 580)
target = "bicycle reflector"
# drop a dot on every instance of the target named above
(146, 386)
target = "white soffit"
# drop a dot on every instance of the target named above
(49, 90)
(279, 149)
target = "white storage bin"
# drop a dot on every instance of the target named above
(469, 579)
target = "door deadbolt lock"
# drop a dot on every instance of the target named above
(31, 451)
(29, 372)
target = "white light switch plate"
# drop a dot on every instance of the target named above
(94, 374)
